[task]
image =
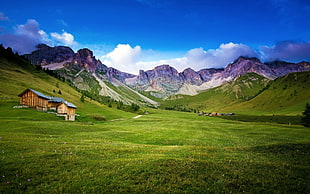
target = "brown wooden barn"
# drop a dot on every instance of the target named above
(63, 108)
(67, 109)
(35, 99)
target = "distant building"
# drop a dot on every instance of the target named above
(41, 102)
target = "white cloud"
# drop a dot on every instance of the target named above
(198, 58)
(124, 58)
(25, 37)
(128, 59)
(286, 50)
(220, 57)
(64, 38)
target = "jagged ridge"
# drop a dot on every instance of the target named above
(163, 80)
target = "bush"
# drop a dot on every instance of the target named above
(98, 117)
(306, 116)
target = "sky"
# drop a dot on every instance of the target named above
(130, 35)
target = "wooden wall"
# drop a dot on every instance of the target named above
(32, 100)
(64, 109)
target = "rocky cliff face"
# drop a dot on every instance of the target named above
(245, 65)
(163, 80)
(47, 55)
(85, 59)
(166, 79)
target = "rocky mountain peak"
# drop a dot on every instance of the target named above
(165, 70)
(47, 55)
(192, 77)
(189, 70)
(85, 59)
(244, 58)
(42, 47)
(85, 53)
(245, 65)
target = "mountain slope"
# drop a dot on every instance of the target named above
(286, 95)
(87, 73)
(16, 75)
(242, 89)
(250, 94)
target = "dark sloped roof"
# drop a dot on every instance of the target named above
(69, 104)
(60, 100)
(36, 92)
(56, 99)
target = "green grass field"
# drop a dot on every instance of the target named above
(108, 151)
(162, 152)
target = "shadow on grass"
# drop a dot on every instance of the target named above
(284, 149)
(280, 119)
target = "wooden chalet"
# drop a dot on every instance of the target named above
(63, 108)
(41, 102)
(34, 99)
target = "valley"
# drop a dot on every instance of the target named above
(112, 149)
(163, 151)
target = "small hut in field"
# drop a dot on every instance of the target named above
(41, 102)
(63, 108)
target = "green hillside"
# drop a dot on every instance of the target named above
(250, 94)
(88, 83)
(16, 75)
(285, 95)
(216, 99)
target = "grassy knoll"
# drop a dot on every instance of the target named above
(162, 152)
(250, 94)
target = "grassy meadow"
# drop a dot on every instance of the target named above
(162, 152)
(109, 151)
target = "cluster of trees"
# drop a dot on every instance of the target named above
(108, 101)
(7, 52)
(306, 116)
(182, 108)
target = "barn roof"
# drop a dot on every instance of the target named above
(50, 98)
(56, 99)
(69, 104)
(36, 92)
(60, 100)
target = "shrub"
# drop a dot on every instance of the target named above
(306, 116)
(98, 117)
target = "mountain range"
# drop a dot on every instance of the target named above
(90, 74)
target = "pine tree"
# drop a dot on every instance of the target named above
(82, 99)
(306, 118)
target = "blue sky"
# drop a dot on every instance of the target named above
(140, 34)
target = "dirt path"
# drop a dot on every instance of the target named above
(138, 116)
